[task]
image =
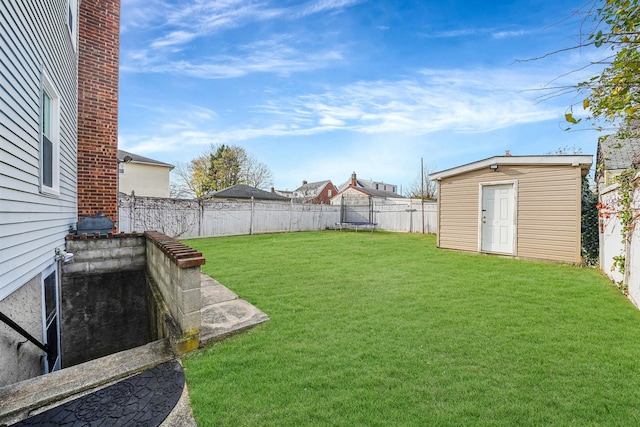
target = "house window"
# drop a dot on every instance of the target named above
(121, 167)
(329, 193)
(49, 139)
(72, 21)
(50, 316)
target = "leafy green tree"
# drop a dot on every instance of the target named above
(614, 95)
(222, 167)
(225, 166)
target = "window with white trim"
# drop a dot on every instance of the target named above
(72, 20)
(49, 139)
(50, 316)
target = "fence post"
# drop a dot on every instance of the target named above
(290, 215)
(251, 217)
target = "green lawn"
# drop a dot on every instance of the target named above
(383, 329)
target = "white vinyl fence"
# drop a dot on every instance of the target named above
(611, 243)
(210, 218)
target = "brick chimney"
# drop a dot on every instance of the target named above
(354, 181)
(507, 153)
(98, 62)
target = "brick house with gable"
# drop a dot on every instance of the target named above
(319, 192)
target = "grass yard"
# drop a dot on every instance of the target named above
(383, 329)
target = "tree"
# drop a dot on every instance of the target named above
(423, 188)
(222, 167)
(566, 150)
(226, 166)
(193, 178)
(614, 94)
(257, 174)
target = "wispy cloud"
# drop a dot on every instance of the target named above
(465, 32)
(509, 34)
(186, 21)
(312, 7)
(464, 101)
(170, 44)
(280, 55)
(174, 38)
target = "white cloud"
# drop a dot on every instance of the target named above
(186, 21)
(464, 32)
(174, 38)
(507, 34)
(279, 55)
(463, 101)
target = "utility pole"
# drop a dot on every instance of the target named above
(422, 190)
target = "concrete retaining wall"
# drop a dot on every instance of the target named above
(123, 290)
(106, 254)
(104, 298)
(174, 269)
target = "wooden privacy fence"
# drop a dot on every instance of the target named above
(211, 218)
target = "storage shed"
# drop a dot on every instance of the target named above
(520, 206)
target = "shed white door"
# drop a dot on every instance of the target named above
(497, 218)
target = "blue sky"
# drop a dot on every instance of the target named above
(319, 89)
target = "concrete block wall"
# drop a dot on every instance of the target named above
(104, 305)
(106, 253)
(172, 273)
(175, 269)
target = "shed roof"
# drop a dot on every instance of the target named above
(312, 186)
(135, 158)
(242, 191)
(584, 161)
(372, 192)
(616, 153)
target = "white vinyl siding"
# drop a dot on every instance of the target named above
(35, 42)
(72, 21)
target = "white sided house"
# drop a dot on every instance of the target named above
(38, 142)
(519, 206)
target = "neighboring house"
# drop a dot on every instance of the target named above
(357, 201)
(370, 185)
(245, 192)
(143, 176)
(315, 192)
(284, 193)
(520, 206)
(614, 156)
(59, 105)
(359, 192)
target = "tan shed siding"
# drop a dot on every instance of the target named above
(548, 211)
(458, 216)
